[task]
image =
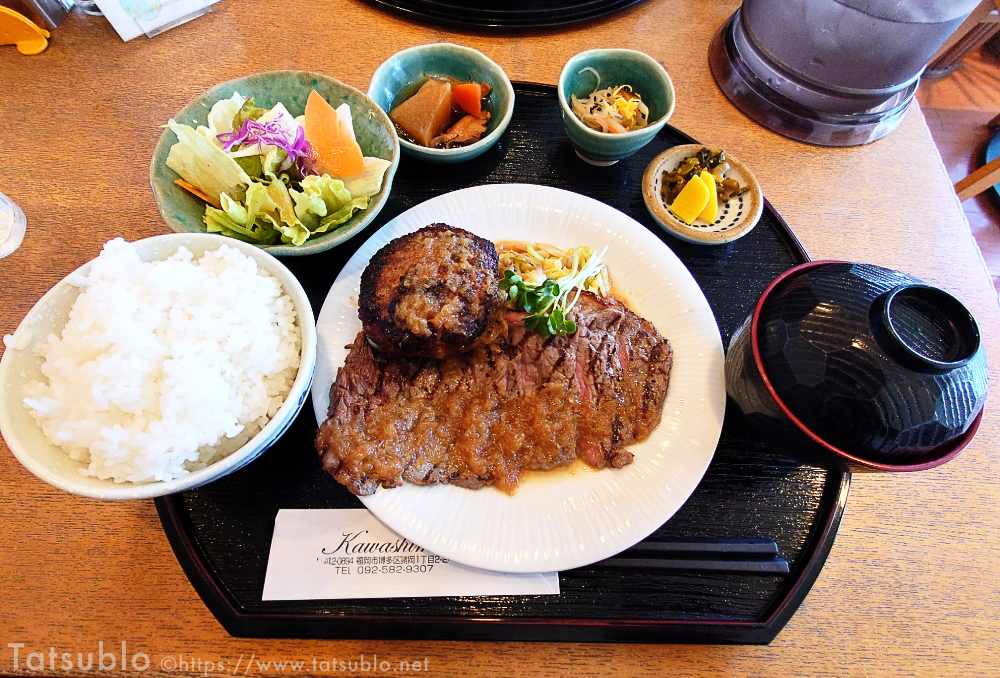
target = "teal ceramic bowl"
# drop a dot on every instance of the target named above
(375, 133)
(401, 74)
(616, 67)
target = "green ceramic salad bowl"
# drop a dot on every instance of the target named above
(374, 131)
(616, 67)
(404, 71)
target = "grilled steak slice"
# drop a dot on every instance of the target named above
(430, 293)
(599, 374)
(483, 417)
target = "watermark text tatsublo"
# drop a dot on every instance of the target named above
(119, 657)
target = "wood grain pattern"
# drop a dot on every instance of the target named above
(960, 110)
(973, 86)
(911, 586)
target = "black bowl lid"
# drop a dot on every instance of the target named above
(870, 361)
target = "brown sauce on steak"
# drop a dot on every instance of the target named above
(520, 403)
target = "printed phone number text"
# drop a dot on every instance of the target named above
(392, 569)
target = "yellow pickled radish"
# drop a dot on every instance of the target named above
(711, 211)
(692, 199)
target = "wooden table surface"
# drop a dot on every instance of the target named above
(911, 585)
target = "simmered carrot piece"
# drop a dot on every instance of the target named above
(469, 97)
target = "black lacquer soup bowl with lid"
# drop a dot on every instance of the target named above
(869, 363)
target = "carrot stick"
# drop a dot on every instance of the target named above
(197, 192)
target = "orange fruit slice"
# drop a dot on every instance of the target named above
(336, 151)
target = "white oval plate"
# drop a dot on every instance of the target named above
(561, 519)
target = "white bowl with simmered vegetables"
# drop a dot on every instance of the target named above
(702, 194)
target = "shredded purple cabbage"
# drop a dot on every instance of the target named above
(272, 134)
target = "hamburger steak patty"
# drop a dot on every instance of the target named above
(430, 293)
(483, 417)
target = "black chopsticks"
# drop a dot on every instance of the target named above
(746, 556)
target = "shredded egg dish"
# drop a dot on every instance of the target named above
(614, 109)
(538, 262)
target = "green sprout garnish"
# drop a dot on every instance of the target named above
(548, 305)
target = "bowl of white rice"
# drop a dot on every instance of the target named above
(159, 366)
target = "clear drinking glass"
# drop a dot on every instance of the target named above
(12, 226)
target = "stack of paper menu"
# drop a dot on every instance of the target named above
(150, 17)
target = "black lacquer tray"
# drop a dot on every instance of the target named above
(507, 16)
(755, 489)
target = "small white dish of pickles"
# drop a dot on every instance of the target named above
(702, 194)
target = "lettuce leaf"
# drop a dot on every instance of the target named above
(369, 182)
(266, 215)
(269, 211)
(220, 221)
(325, 203)
(209, 135)
(259, 202)
(200, 162)
(249, 110)
(292, 230)
(253, 165)
(235, 211)
(342, 215)
(273, 160)
(220, 116)
(252, 221)
(309, 207)
(320, 195)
